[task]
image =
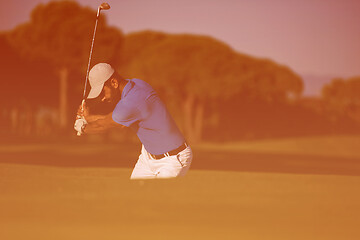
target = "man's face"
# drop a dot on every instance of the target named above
(111, 93)
(107, 100)
(108, 93)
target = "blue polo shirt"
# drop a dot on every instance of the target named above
(141, 109)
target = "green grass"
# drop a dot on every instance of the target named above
(43, 202)
(337, 146)
(38, 202)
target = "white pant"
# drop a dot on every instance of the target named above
(166, 167)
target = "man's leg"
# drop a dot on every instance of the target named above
(142, 169)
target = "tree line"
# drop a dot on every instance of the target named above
(212, 91)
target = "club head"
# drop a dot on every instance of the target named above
(104, 6)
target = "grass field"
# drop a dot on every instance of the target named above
(62, 192)
(328, 146)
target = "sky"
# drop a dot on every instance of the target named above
(312, 37)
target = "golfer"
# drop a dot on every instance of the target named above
(164, 153)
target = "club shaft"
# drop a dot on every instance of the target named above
(91, 50)
(104, 6)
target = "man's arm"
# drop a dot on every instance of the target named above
(100, 123)
(96, 123)
(94, 118)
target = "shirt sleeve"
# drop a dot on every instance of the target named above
(125, 114)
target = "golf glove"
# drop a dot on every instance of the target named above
(79, 125)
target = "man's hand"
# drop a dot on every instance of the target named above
(79, 126)
(80, 121)
(83, 110)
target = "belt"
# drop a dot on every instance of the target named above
(170, 153)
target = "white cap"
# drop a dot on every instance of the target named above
(98, 75)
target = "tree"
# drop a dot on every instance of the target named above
(271, 82)
(188, 68)
(61, 33)
(192, 70)
(134, 45)
(343, 97)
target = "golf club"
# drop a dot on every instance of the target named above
(103, 6)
